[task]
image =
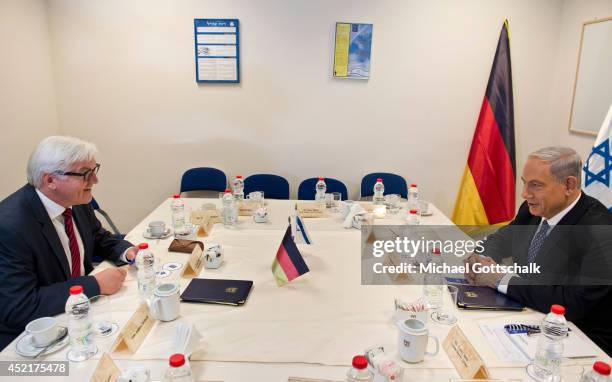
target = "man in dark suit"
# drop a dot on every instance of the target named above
(48, 235)
(568, 234)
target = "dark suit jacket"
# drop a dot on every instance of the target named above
(576, 265)
(34, 271)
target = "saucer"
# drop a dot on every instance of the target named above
(25, 345)
(147, 234)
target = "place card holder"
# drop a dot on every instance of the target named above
(247, 208)
(310, 210)
(464, 356)
(194, 264)
(205, 221)
(106, 370)
(135, 330)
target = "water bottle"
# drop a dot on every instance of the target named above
(547, 361)
(145, 261)
(320, 189)
(413, 217)
(229, 211)
(238, 188)
(178, 370)
(379, 192)
(82, 346)
(599, 373)
(413, 197)
(359, 372)
(178, 215)
(432, 281)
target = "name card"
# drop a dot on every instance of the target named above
(135, 330)
(205, 221)
(106, 370)
(465, 358)
(310, 210)
(247, 209)
(195, 263)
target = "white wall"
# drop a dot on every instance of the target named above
(574, 14)
(27, 96)
(125, 80)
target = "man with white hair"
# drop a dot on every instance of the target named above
(568, 235)
(48, 235)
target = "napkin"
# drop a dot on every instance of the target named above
(185, 246)
(187, 339)
(356, 209)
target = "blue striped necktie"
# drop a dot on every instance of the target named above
(536, 243)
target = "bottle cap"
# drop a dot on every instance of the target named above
(177, 360)
(321, 178)
(413, 185)
(413, 211)
(228, 190)
(379, 180)
(176, 196)
(143, 246)
(436, 251)
(76, 289)
(557, 309)
(360, 362)
(238, 176)
(601, 368)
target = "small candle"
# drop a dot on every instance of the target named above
(380, 211)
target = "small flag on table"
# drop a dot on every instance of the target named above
(288, 263)
(298, 230)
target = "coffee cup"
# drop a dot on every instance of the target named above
(413, 339)
(43, 331)
(157, 228)
(213, 257)
(260, 215)
(165, 305)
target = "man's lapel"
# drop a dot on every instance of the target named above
(48, 229)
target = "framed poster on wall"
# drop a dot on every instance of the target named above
(352, 50)
(217, 53)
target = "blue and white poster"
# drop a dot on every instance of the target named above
(353, 50)
(216, 50)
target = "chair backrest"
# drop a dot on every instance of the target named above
(306, 190)
(273, 186)
(203, 178)
(394, 184)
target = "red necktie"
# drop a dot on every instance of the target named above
(75, 254)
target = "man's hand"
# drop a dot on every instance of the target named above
(489, 279)
(110, 280)
(130, 254)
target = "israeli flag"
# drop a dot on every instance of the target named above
(597, 169)
(298, 230)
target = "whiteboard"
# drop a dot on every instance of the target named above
(593, 84)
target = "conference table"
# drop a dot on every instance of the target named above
(309, 328)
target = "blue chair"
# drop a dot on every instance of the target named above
(203, 178)
(273, 186)
(96, 207)
(306, 190)
(394, 184)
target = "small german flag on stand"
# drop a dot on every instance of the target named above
(288, 263)
(487, 193)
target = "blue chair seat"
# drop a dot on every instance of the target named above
(203, 178)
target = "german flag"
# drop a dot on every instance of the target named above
(487, 193)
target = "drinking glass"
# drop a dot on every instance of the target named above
(445, 314)
(393, 203)
(103, 325)
(337, 197)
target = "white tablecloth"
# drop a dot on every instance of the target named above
(321, 319)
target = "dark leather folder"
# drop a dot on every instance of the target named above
(216, 291)
(481, 297)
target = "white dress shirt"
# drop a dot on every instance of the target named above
(502, 287)
(55, 212)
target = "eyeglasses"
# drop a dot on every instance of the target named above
(85, 174)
